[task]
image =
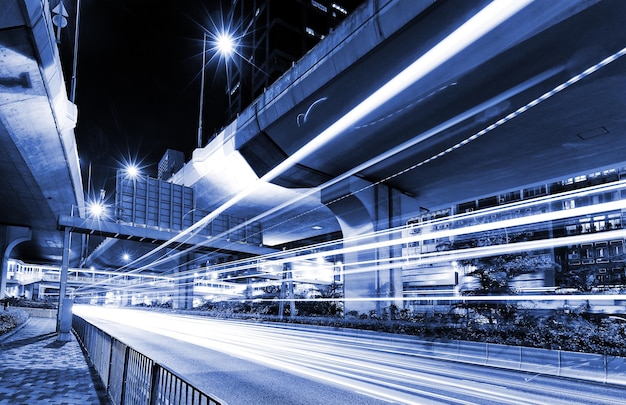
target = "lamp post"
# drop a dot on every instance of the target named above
(202, 91)
(225, 45)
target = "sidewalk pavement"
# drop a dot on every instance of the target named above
(37, 369)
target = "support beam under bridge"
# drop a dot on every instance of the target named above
(94, 226)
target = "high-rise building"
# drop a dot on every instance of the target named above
(171, 162)
(273, 35)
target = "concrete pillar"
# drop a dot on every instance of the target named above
(286, 289)
(10, 236)
(371, 281)
(65, 326)
(64, 313)
(183, 296)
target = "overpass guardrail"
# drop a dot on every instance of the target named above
(130, 377)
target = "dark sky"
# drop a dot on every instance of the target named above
(138, 81)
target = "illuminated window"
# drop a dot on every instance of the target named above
(319, 6)
(569, 204)
(616, 250)
(602, 252)
(585, 225)
(587, 254)
(313, 33)
(615, 221)
(339, 8)
(599, 223)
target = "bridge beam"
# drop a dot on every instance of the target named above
(370, 282)
(10, 236)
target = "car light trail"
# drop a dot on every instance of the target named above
(446, 256)
(477, 26)
(326, 248)
(399, 369)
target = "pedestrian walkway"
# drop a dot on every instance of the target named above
(35, 368)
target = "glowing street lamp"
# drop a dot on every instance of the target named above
(225, 44)
(132, 171)
(96, 209)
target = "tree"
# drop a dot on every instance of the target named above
(494, 274)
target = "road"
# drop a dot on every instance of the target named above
(244, 362)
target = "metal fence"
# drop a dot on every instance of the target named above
(133, 378)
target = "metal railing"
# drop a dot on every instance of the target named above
(130, 377)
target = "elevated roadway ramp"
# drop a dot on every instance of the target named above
(39, 169)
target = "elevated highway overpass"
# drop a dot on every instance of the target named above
(41, 176)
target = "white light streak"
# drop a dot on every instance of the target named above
(399, 369)
(480, 24)
(367, 106)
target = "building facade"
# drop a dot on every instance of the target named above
(568, 232)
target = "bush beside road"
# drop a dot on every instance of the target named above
(11, 318)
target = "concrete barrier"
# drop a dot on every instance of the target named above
(39, 312)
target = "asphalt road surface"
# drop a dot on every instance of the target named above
(244, 362)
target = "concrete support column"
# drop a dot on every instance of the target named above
(286, 288)
(64, 312)
(183, 297)
(10, 236)
(372, 282)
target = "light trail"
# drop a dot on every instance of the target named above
(477, 26)
(400, 369)
(606, 61)
(477, 215)
(449, 255)
(166, 257)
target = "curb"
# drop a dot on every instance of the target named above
(14, 330)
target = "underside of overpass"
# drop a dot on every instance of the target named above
(40, 175)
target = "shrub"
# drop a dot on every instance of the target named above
(10, 319)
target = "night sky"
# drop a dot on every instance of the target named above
(138, 81)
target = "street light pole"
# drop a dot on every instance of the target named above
(75, 61)
(202, 91)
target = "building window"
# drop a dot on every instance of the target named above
(585, 225)
(339, 8)
(602, 252)
(319, 6)
(599, 223)
(616, 249)
(615, 221)
(313, 33)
